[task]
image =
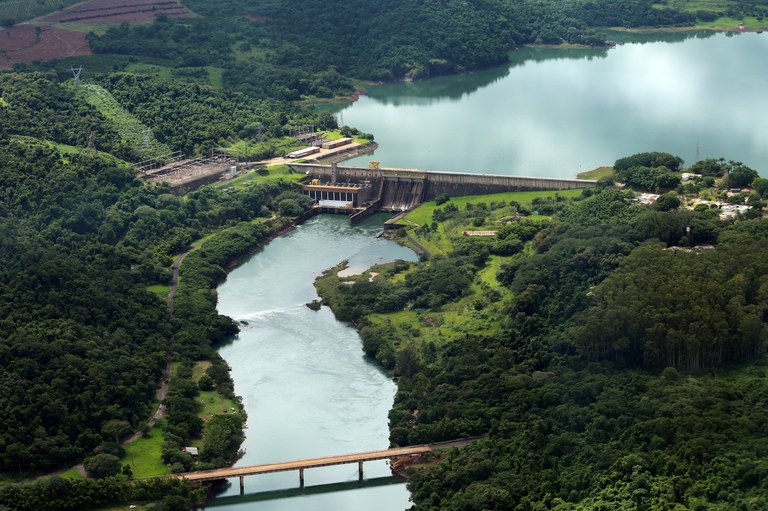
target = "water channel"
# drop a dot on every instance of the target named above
(306, 387)
(555, 113)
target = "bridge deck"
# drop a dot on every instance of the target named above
(223, 473)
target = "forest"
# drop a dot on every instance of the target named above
(84, 342)
(263, 54)
(612, 365)
(614, 358)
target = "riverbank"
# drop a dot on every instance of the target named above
(304, 384)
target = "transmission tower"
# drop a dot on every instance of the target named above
(698, 152)
(76, 73)
(147, 137)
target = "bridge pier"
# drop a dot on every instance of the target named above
(301, 477)
(360, 470)
(242, 485)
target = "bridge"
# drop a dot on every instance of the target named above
(396, 189)
(301, 465)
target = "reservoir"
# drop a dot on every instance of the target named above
(305, 384)
(554, 113)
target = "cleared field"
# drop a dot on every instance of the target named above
(27, 43)
(112, 12)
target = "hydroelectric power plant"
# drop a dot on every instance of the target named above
(362, 191)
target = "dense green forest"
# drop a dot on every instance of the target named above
(83, 341)
(612, 365)
(262, 53)
(614, 357)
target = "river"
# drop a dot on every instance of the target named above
(555, 113)
(306, 386)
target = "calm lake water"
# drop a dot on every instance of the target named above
(555, 113)
(306, 386)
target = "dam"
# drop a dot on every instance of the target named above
(361, 191)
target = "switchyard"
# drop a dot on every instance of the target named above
(187, 172)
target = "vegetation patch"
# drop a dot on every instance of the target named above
(144, 456)
(595, 174)
(159, 290)
(131, 130)
(214, 403)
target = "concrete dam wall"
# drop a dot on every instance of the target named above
(402, 189)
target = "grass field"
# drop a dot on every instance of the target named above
(200, 369)
(72, 473)
(595, 174)
(144, 455)
(161, 290)
(750, 23)
(439, 242)
(271, 173)
(423, 214)
(214, 403)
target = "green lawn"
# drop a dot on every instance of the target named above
(214, 403)
(423, 214)
(72, 473)
(144, 455)
(488, 274)
(161, 290)
(596, 174)
(201, 367)
(733, 24)
(141, 68)
(271, 173)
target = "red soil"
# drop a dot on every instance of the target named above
(20, 44)
(256, 18)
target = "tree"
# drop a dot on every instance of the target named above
(289, 207)
(102, 465)
(667, 202)
(761, 186)
(652, 159)
(740, 176)
(441, 199)
(205, 382)
(116, 429)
